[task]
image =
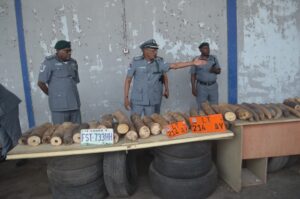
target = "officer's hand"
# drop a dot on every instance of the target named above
(127, 104)
(198, 62)
(194, 92)
(166, 93)
(215, 70)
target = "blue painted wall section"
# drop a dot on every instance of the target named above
(23, 58)
(232, 51)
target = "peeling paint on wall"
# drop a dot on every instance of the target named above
(178, 48)
(179, 27)
(269, 45)
(64, 28)
(2, 11)
(173, 48)
(45, 48)
(269, 59)
(99, 65)
(10, 66)
(98, 44)
(76, 23)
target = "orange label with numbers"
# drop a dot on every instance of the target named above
(175, 129)
(208, 124)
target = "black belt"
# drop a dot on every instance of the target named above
(206, 83)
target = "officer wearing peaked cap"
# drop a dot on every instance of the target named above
(163, 80)
(146, 72)
(58, 78)
(151, 43)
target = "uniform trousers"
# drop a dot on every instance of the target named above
(59, 117)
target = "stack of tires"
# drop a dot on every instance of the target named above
(77, 177)
(277, 163)
(120, 173)
(183, 171)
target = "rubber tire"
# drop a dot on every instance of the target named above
(186, 150)
(120, 173)
(293, 159)
(75, 177)
(182, 168)
(166, 188)
(74, 161)
(93, 190)
(277, 163)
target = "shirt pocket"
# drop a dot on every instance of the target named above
(62, 71)
(204, 68)
(157, 93)
(141, 72)
(137, 93)
(58, 100)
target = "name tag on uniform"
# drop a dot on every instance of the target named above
(96, 136)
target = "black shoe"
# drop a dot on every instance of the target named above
(2, 158)
(21, 162)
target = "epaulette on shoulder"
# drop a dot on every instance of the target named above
(159, 58)
(138, 58)
(50, 57)
(213, 56)
(73, 60)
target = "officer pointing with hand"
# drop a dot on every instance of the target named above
(146, 71)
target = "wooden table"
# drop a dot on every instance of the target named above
(242, 161)
(47, 150)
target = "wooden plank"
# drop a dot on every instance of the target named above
(272, 121)
(269, 140)
(258, 168)
(46, 150)
(229, 159)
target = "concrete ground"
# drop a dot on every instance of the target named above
(30, 182)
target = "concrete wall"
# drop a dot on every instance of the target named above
(95, 30)
(268, 50)
(10, 67)
(179, 27)
(268, 47)
(99, 37)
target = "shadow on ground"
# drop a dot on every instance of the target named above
(30, 182)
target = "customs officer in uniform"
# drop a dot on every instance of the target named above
(146, 70)
(58, 78)
(204, 78)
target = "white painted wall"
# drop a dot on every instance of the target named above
(98, 37)
(10, 66)
(268, 47)
(269, 50)
(179, 27)
(95, 30)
